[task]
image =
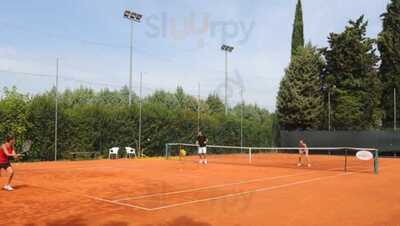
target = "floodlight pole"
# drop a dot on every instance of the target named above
(56, 113)
(132, 17)
(226, 82)
(130, 65)
(330, 88)
(198, 110)
(241, 117)
(329, 109)
(140, 116)
(226, 49)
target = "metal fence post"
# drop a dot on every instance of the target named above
(376, 162)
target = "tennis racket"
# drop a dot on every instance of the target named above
(26, 147)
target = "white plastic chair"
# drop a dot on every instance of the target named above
(113, 151)
(130, 151)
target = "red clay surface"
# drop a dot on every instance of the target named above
(155, 192)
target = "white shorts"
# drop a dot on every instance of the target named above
(202, 150)
(303, 151)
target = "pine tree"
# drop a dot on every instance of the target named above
(351, 72)
(389, 47)
(300, 98)
(298, 29)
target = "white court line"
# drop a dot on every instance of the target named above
(61, 169)
(118, 203)
(255, 190)
(90, 197)
(48, 170)
(247, 192)
(196, 201)
(212, 187)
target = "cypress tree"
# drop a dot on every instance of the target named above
(298, 29)
(389, 47)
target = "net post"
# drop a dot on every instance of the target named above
(250, 156)
(376, 161)
(166, 151)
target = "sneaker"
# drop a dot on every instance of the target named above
(205, 162)
(201, 161)
(309, 165)
(8, 188)
(299, 164)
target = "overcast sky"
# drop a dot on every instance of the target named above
(177, 43)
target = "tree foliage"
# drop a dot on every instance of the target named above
(300, 98)
(92, 120)
(351, 76)
(298, 29)
(389, 47)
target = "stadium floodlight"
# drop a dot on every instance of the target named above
(227, 49)
(132, 17)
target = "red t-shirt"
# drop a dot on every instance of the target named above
(3, 157)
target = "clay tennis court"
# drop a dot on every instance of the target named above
(155, 192)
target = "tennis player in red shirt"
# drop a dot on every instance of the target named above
(6, 152)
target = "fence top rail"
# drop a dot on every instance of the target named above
(277, 148)
(211, 146)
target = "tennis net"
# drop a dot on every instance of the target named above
(347, 159)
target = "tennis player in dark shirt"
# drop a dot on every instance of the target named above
(202, 145)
